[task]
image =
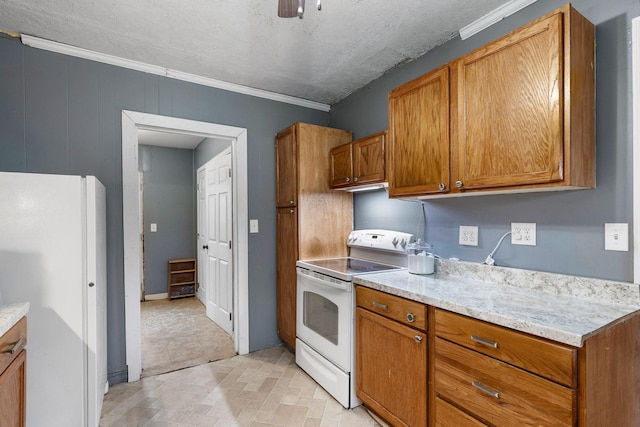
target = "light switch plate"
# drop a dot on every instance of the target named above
(154, 227)
(253, 226)
(616, 237)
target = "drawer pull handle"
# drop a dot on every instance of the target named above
(380, 305)
(484, 388)
(15, 347)
(484, 341)
(418, 339)
(411, 317)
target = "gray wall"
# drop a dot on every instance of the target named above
(60, 114)
(169, 202)
(207, 150)
(570, 227)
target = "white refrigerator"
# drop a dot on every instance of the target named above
(53, 255)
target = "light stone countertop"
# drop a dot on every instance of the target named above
(562, 308)
(10, 314)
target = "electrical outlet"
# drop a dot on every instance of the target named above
(468, 235)
(523, 233)
(616, 237)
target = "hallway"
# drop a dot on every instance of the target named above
(178, 334)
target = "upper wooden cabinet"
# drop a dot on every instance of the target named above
(286, 168)
(517, 114)
(418, 152)
(359, 163)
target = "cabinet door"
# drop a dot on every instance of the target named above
(341, 169)
(13, 393)
(418, 149)
(287, 255)
(391, 369)
(286, 168)
(368, 160)
(509, 110)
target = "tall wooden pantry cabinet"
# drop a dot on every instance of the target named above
(312, 220)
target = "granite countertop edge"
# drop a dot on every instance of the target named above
(11, 314)
(562, 317)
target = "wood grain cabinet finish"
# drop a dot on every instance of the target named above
(13, 356)
(359, 163)
(391, 364)
(313, 221)
(418, 149)
(503, 377)
(522, 114)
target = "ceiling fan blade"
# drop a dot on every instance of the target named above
(287, 8)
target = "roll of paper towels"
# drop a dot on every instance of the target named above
(421, 264)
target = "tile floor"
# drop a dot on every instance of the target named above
(178, 334)
(264, 388)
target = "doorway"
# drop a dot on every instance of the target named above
(131, 123)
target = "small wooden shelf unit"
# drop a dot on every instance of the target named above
(181, 278)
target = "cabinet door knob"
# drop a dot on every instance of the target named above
(411, 317)
(418, 339)
(459, 184)
(205, 246)
(291, 211)
(442, 186)
(290, 202)
(347, 179)
(355, 179)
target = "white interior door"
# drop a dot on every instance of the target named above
(202, 234)
(219, 265)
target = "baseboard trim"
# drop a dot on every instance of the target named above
(153, 297)
(118, 377)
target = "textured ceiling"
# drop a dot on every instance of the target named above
(323, 57)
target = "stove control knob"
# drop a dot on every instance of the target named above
(403, 243)
(394, 241)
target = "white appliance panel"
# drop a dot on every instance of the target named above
(43, 254)
(330, 377)
(324, 317)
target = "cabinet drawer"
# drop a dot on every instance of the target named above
(405, 311)
(551, 360)
(497, 392)
(448, 415)
(12, 342)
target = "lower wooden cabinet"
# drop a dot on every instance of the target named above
(13, 359)
(391, 366)
(418, 365)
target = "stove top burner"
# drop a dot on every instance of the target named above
(343, 268)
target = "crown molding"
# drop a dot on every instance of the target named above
(494, 16)
(78, 52)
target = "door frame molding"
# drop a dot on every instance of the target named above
(131, 122)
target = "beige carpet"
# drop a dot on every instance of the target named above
(178, 334)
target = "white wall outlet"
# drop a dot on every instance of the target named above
(253, 226)
(468, 235)
(523, 233)
(616, 237)
(154, 227)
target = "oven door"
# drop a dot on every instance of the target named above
(325, 316)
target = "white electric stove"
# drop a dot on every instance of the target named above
(326, 307)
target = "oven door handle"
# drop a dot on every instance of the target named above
(343, 286)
